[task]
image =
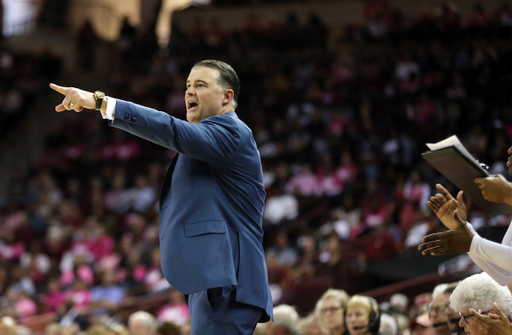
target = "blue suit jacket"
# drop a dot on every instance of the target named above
(211, 204)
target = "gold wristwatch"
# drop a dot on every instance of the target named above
(99, 96)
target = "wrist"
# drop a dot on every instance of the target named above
(103, 108)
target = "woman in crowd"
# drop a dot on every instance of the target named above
(362, 316)
(330, 309)
(477, 294)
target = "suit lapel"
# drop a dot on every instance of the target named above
(168, 179)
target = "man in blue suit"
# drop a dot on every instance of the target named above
(212, 198)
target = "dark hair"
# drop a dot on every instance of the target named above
(168, 328)
(228, 77)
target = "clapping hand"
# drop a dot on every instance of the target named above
(494, 323)
(451, 212)
(449, 242)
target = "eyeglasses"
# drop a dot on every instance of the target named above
(466, 317)
(437, 309)
(330, 310)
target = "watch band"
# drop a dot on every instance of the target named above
(99, 96)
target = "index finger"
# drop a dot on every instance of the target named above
(498, 311)
(481, 319)
(60, 89)
(434, 237)
(444, 192)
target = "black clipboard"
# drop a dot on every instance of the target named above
(462, 171)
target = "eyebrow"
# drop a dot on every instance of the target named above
(198, 80)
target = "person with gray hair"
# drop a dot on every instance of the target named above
(285, 321)
(7, 326)
(388, 325)
(142, 323)
(477, 293)
(330, 309)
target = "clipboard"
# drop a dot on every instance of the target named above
(461, 169)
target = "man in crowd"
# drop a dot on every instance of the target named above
(142, 323)
(437, 311)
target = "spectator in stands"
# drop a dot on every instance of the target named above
(176, 311)
(304, 268)
(139, 197)
(416, 190)
(142, 323)
(388, 325)
(281, 208)
(53, 329)
(285, 321)
(329, 310)
(55, 296)
(286, 254)
(452, 316)
(168, 328)
(7, 326)
(437, 311)
(108, 294)
(362, 316)
(422, 326)
(477, 293)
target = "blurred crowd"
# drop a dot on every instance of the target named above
(23, 76)
(340, 122)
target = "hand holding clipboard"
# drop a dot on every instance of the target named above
(452, 160)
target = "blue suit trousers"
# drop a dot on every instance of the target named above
(215, 312)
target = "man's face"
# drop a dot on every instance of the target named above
(452, 316)
(509, 161)
(204, 96)
(331, 314)
(437, 313)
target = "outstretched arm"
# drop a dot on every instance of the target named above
(213, 140)
(494, 258)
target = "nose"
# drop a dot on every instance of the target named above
(509, 151)
(461, 323)
(190, 91)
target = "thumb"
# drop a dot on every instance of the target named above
(60, 89)
(460, 200)
(457, 218)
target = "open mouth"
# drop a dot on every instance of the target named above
(192, 105)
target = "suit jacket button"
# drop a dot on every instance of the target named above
(134, 118)
(126, 117)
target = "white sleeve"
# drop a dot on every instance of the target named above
(492, 257)
(111, 107)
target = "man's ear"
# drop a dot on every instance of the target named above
(228, 96)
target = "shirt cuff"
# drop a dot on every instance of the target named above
(111, 109)
(475, 241)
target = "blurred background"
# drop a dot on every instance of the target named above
(341, 97)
